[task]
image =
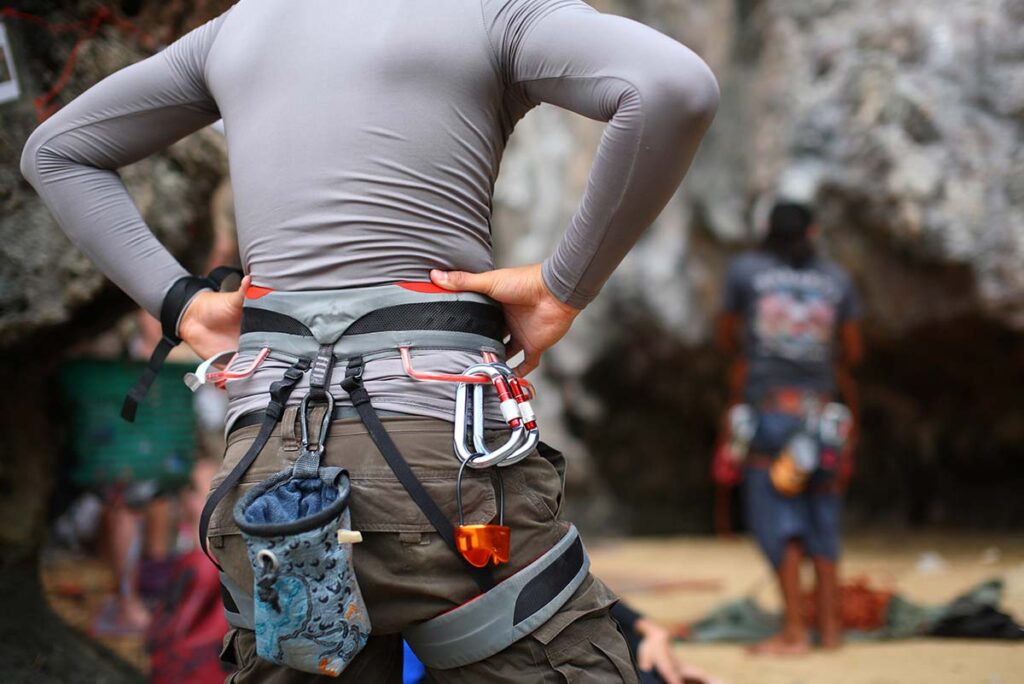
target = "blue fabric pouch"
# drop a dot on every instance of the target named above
(309, 611)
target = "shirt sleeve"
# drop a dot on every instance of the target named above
(72, 160)
(657, 96)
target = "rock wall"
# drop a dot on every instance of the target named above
(902, 122)
(50, 298)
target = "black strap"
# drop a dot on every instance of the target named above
(353, 384)
(320, 373)
(279, 393)
(176, 299)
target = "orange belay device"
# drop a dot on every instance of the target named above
(481, 544)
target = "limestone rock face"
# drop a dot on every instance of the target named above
(902, 122)
(45, 282)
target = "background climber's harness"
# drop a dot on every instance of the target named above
(315, 330)
(798, 433)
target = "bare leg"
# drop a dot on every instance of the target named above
(829, 622)
(792, 640)
(159, 524)
(124, 545)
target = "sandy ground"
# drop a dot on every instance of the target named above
(678, 580)
(674, 580)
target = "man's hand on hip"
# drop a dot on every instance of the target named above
(212, 322)
(535, 319)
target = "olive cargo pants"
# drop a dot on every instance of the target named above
(406, 572)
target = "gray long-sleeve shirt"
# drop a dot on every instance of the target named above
(364, 138)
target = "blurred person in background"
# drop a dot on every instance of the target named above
(790, 321)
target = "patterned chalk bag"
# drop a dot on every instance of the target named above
(309, 612)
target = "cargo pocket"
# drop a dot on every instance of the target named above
(582, 642)
(557, 487)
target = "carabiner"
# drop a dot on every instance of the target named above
(325, 423)
(509, 410)
(529, 418)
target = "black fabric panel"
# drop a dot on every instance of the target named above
(539, 591)
(255, 319)
(467, 317)
(229, 600)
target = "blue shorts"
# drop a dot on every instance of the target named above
(812, 517)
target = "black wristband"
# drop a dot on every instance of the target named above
(175, 301)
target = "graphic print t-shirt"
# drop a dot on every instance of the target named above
(791, 318)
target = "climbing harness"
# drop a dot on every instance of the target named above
(802, 432)
(315, 331)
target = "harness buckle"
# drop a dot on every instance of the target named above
(353, 374)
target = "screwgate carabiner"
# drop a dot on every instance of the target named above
(515, 408)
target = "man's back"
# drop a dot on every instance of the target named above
(791, 318)
(364, 138)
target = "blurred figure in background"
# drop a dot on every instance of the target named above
(790, 322)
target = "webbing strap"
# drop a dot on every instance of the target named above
(320, 373)
(353, 384)
(279, 393)
(176, 299)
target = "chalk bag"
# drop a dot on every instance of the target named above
(309, 612)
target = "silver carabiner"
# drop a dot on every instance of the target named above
(528, 419)
(472, 416)
(462, 409)
(325, 423)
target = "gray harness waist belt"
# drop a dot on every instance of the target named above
(375, 322)
(371, 322)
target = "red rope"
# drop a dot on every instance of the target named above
(87, 29)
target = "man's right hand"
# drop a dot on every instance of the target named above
(212, 322)
(535, 319)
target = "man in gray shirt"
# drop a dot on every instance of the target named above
(364, 141)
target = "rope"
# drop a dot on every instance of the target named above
(86, 30)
